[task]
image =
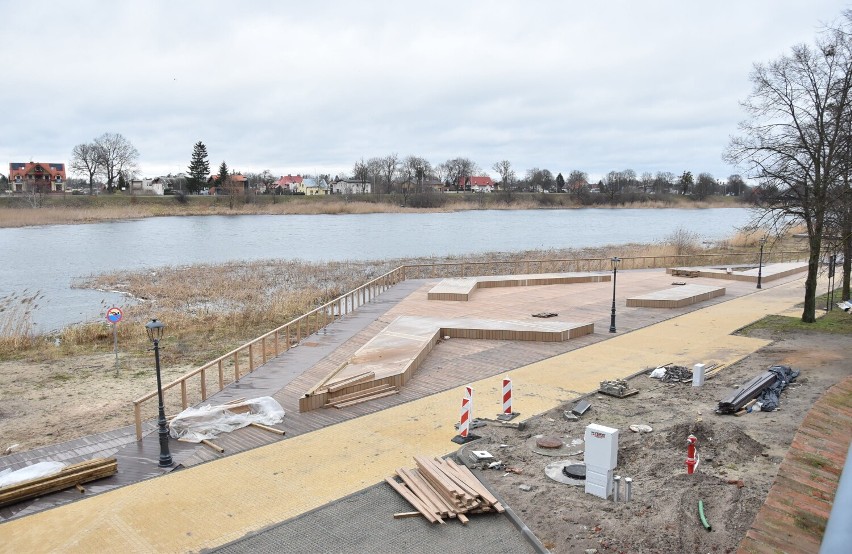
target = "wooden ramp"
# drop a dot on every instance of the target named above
(460, 289)
(768, 272)
(388, 360)
(676, 297)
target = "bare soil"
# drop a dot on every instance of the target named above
(663, 514)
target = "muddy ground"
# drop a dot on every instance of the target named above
(663, 515)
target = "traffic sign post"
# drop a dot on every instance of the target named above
(114, 315)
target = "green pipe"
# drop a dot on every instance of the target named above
(701, 515)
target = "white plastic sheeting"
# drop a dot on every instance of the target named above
(35, 471)
(206, 422)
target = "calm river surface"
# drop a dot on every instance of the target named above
(49, 258)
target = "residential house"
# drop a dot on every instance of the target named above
(286, 184)
(237, 181)
(311, 187)
(351, 186)
(37, 177)
(476, 184)
(147, 186)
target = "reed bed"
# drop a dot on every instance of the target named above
(55, 210)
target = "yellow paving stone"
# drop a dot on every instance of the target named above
(214, 503)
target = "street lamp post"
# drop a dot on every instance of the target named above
(615, 262)
(760, 262)
(155, 332)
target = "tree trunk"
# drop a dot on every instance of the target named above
(809, 313)
(847, 252)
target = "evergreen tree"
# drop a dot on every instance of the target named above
(560, 183)
(224, 178)
(199, 168)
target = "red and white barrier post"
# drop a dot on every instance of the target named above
(692, 458)
(466, 417)
(507, 413)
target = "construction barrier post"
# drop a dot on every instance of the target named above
(692, 458)
(507, 413)
(466, 418)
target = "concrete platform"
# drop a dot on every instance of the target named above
(676, 297)
(769, 272)
(459, 290)
(391, 357)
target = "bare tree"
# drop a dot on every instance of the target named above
(415, 170)
(116, 155)
(577, 181)
(504, 169)
(459, 169)
(793, 139)
(86, 160)
(390, 166)
(705, 186)
(647, 181)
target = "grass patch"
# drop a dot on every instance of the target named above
(837, 322)
(814, 460)
(809, 522)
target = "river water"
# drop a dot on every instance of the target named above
(48, 259)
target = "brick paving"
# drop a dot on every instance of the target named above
(794, 516)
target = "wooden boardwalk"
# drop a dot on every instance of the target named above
(451, 363)
(461, 289)
(676, 297)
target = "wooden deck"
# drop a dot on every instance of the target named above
(460, 290)
(768, 272)
(391, 357)
(676, 297)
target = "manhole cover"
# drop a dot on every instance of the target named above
(555, 471)
(575, 471)
(566, 447)
(549, 442)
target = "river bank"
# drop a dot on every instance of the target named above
(23, 211)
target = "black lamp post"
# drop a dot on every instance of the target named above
(760, 263)
(155, 333)
(615, 262)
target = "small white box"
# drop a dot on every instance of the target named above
(697, 375)
(598, 481)
(601, 446)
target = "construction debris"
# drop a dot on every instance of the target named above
(68, 477)
(207, 422)
(618, 388)
(765, 388)
(545, 314)
(581, 407)
(440, 489)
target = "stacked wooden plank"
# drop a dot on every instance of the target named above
(352, 398)
(70, 476)
(440, 489)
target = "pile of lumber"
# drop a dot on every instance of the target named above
(364, 395)
(440, 489)
(738, 399)
(70, 476)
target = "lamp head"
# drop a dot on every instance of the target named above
(615, 261)
(154, 329)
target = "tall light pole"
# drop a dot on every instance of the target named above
(155, 329)
(615, 262)
(760, 263)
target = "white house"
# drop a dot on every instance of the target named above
(351, 186)
(147, 186)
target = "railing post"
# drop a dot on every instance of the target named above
(183, 394)
(203, 384)
(221, 374)
(263, 350)
(236, 366)
(251, 357)
(137, 416)
(286, 337)
(275, 342)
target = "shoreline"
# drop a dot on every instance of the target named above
(16, 212)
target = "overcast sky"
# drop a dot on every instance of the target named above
(313, 86)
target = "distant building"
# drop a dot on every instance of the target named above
(351, 186)
(147, 186)
(286, 184)
(476, 184)
(237, 181)
(311, 187)
(37, 177)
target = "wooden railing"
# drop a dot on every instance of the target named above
(244, 359)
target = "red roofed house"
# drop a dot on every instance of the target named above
(37, 177)
(476, 184)
(286, 184)
(237, 182)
